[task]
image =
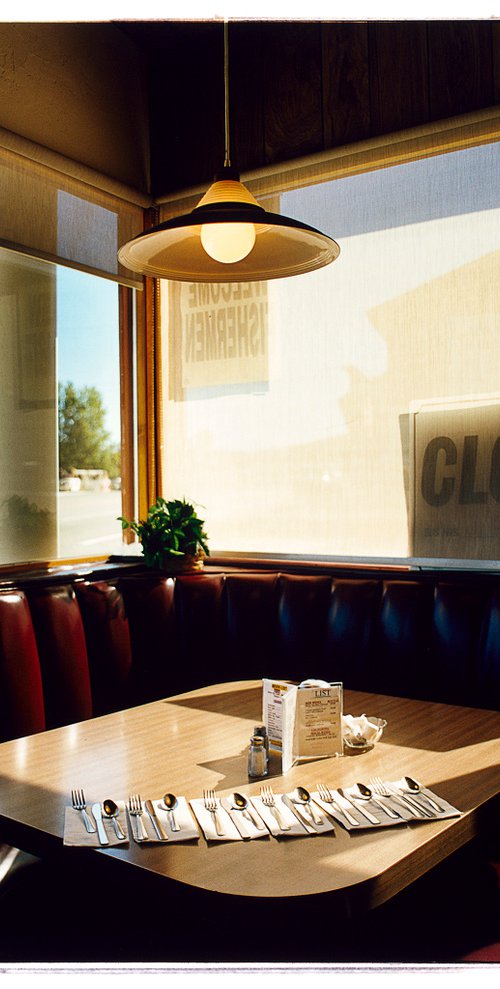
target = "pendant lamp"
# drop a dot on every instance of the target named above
(228, 236)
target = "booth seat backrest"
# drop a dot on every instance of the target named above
(22, 709)
(90, 647)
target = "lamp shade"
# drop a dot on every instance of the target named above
(228, 237)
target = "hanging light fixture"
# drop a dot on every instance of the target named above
(228, 236)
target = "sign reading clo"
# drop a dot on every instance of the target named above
(445, 473)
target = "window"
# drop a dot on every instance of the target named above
(59, 474)
(89, 499)
(354, 411)
(66, 369)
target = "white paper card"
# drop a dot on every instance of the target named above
(311, 721)
(318, 722)
(273, 692)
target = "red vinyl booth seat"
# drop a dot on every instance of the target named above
(22, 708)
(82, 648)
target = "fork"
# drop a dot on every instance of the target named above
(267, 797)
(78, 801)
(135, 809)
(381, 790)
(211, 805)
(327, 796)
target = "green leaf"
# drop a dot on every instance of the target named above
(171, 528)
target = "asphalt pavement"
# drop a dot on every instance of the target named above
(88, 523)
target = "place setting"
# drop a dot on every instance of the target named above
(290, 814)
(167, 819)
(99, 824)
(382, 804)
(230, 818)
(110, 823)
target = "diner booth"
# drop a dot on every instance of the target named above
(316, 420)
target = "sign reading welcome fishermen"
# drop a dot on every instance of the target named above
(224, 333)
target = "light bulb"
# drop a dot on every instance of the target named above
(228, 242)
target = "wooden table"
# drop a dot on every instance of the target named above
(197, 740)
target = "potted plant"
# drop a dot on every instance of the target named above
(172, 536)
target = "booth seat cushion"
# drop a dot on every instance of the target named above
(109, 650)
(200, 619)
(149, 606)
(22, 709)
(63, 656)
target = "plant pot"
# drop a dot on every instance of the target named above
(183, 564)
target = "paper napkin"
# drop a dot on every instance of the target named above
(422, 800)
(206, 821)
(75, 833)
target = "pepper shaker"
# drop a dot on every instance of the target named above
(262, 731)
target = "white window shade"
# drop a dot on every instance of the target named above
(304, 445)
(58, 210)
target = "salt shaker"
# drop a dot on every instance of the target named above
(257, 758)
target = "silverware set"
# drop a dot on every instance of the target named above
(418, 808)
(109, 810)
(382, 790)
(390, 798)
(137, 811)
(379, 794)
(95, 823)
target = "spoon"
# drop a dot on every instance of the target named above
(416, 787)
(170, 802)
(302, 796)
(357, 740)
(364, 793)
(366, 813)
(111, 810)
(240, 802)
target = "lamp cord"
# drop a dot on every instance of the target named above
(227, 156)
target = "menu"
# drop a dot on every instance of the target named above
(272, 705)
(303, 721)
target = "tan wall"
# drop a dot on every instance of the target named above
(80, 90)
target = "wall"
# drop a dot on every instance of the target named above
(80, 90)
(296, 88)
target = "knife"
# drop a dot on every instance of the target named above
(361, 810)
(339, 807)
(97, 815)
(299, 814)
(408, 802)
(155, 820)
(238, 823)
